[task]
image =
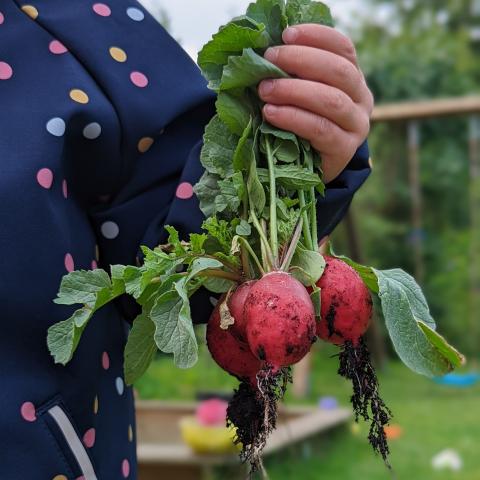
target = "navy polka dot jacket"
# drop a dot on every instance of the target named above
(101, 121)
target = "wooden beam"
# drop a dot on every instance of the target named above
(426, 109)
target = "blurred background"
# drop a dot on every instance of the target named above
(420, 210)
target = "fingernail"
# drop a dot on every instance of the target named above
(271, 54)
(290, 35)
(266, 87)
(270, 109)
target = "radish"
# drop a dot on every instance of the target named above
(346, 304)
(280, 320)
(236, 303)
(346, 311)
(231, 355)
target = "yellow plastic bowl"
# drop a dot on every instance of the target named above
(208, 439)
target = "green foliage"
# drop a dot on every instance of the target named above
(140, 348)
(93, 289)
(411, 327)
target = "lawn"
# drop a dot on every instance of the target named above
(433, 418)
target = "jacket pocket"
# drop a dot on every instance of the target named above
(59, 423)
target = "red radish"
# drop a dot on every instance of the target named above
(212, 412)
(236, 304)
(280, 320)
(346, 304)
(233, 356)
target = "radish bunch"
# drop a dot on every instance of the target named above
(273, 326)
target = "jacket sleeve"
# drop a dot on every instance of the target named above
(339, 193)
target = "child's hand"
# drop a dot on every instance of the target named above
(328, 103)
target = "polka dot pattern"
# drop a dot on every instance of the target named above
(45, 178)
(60, 477)
(31, 11)
(94, 265)
(102, 9)
(6, 71)
(2, 18)
(139, 79)
(130, 433)
(89, 438)
(57, 48)
(135, 14)
(27, 410)
(79, 96)
(56, 126)
(69, 263)
(119, 385)
(144, 144)
(125, 468)
(110, 230)
(105, 361)
(92, 131)
(95, 405)
(184, 191)
(118, 54)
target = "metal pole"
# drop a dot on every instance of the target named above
(474, 262)
(416, 197)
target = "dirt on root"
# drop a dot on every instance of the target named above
(356, 366)
(253, 411)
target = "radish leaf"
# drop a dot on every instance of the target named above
(305, 11)
(233, 112)
(140, 348)
(219, 146)
(269, 13)
(403, 307)
(248, 70)
(173, 326)
(93, 289)
(207, 191)
(230, 40)
(307, 266)
(453, 355)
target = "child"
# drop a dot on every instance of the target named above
(101, 123)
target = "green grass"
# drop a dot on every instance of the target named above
(432, 417)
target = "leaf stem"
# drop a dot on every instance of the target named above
(306, 222)
(293, 245)
(273, 201)
(249, 249)
(222, 274)
(313, 207)
(243, 251)
(263, 239)
(224, 262)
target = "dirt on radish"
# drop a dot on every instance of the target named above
(280, 320)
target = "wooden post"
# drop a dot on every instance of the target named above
(474, 260)
(416, 197)
(301, 377)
